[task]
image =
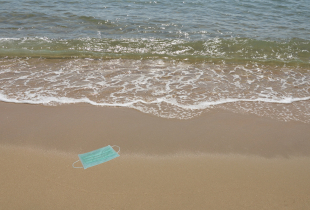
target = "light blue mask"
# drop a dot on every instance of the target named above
(97, 156)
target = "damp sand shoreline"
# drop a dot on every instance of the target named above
(219, 160)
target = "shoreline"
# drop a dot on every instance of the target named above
(80, 128)
(256, 163)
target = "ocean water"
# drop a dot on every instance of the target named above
(170, 58)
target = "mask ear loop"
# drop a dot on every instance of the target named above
(75, 166)
(119, 149)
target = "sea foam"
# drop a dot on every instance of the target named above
(164, 88)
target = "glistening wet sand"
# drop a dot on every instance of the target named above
(219, 160)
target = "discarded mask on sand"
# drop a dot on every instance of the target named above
(97, 156)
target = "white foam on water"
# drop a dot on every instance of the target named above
(202, 105)
(167, 89)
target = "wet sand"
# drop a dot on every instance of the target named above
(219, 160)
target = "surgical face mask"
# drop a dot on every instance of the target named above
(98, 156)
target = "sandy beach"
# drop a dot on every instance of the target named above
(219, 160)
(209, 102)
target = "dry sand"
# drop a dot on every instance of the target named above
(219, 160)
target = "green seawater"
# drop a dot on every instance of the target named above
(294, 51)
(260, 31)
